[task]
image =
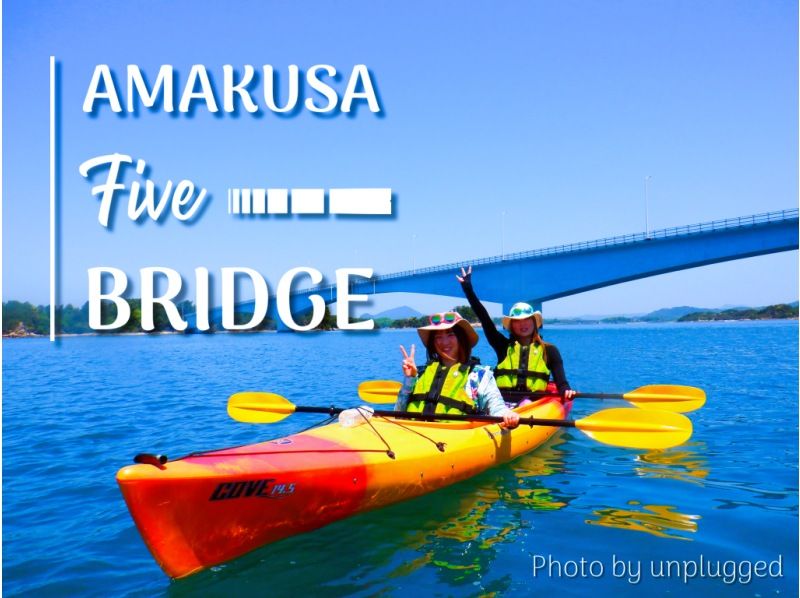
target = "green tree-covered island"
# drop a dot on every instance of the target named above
(25, 319)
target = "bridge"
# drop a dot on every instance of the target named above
(554, 272)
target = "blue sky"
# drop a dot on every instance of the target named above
(552, 112)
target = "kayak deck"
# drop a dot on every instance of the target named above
(208, 508)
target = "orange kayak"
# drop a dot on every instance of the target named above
(208, 508)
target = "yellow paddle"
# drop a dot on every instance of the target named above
(618, 427)
(667, 397)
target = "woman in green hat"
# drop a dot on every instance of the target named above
(524, 361)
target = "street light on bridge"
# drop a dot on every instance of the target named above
(646, 214)
(413, 254)
(502, 235)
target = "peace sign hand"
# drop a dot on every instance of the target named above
(466, 275)
(409, 367)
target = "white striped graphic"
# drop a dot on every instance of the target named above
(357, 201)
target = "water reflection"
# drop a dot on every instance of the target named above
(497, 509)
(685, 464)
(658, 520)
(529, 493)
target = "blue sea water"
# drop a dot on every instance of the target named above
(573, 517)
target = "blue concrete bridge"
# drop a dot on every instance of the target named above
(546, 274)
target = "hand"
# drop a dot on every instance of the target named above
(569, 394)
(510, 420)
(409, 367)
(466, 275)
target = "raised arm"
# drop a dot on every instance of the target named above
(409, 379)
(495, 338)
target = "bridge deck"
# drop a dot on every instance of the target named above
(715, 226)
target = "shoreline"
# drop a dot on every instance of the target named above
(388, 328)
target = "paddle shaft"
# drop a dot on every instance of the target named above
(527, 421)
(633, 428)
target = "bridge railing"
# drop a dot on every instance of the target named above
(676, 231)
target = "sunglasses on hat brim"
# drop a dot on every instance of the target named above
(448, 317)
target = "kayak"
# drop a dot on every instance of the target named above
(208, 508)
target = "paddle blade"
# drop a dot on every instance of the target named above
(637, 429)
(379, 391)
(258, 407)
(669, 397)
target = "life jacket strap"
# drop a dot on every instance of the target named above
(521, 373)
(430, 404)
(435, 391)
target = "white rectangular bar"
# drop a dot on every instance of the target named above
(259, 201)
(361, 201)
(308, 201)
(235, 202)
(277, 201)
(246, 201)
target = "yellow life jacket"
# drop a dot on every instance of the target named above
(440, 389)
(523, 368)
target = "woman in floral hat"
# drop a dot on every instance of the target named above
(525, 363)
(451, 382)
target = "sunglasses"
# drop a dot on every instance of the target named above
(447, 317)
(520, 311)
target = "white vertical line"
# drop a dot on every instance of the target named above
(246, 204)
(52, 198)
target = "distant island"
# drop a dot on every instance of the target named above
(781, 311)
(22, 320)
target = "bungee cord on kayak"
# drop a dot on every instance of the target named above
(161, 459)
(439, 445)
(389, 452)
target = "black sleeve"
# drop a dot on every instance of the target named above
(556, 366)
(495, 338)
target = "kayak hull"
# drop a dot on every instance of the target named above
(209, 508)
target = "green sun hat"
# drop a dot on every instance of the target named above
(522, 311)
